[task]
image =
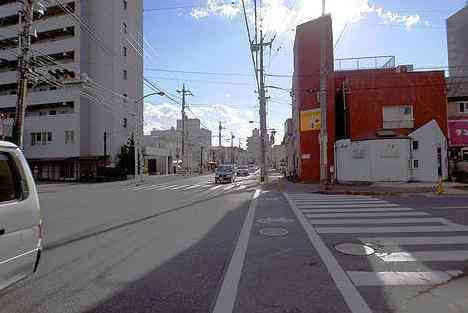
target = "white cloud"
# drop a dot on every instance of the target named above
(216, 7)
(234, 118)
(281, 17)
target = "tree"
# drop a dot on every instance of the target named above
(127, 157)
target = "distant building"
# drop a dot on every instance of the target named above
(279, 160)
(457, 86)
(379, 116)
(197, 144)
(254, 148)
(64, 125)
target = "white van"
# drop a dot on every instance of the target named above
(20, 221)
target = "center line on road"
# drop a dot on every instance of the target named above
(228, 292)
(349, 292)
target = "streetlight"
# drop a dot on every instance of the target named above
(138, 134)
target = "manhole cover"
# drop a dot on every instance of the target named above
(354, 249)
(268, 220)
(273, 232)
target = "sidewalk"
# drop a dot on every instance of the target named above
(389, 189)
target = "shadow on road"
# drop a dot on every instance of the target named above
(187, 283)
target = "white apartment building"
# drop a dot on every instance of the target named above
(65, 125)
(197, 143)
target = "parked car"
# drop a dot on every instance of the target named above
(20, 221)
(225, 173)
(243, 171)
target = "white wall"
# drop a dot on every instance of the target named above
(430, 137)
(381, 160)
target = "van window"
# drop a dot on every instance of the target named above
(9, 183)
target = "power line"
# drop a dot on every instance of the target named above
(203, 81)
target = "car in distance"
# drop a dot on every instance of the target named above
(20, 221)
(225, 173)
(243, 171)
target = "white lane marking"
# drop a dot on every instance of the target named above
(356, 210)
(215, 187)
(339, 202)
(424, 256)
(323, 206)
(318, 196)
(228, 292)
(395, 241)
(180, 187)
(151, 187)
(377, 220)
(193, 186)
(240, 188)
(401, 278)
(366, 214)
(350, 294)
(168, 187)
(390, 229)
(140, 187)
(229, 187)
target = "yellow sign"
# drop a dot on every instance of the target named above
(310, 120)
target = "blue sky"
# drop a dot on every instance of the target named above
(212, 38)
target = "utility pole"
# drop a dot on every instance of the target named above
(201, 159)
(263, 126)
(24, 39)
(184, 92)
(220, 129)
(323, 92)
(105, 148)
(232, 148)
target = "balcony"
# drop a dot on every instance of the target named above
(41, 97)
(11, 76)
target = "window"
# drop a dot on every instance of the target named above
(125, 122)
(125, 4)
(415, 163)
(9, 180)
(124, 51)
(415, 145)
(41, 138)
(69, 137)
(125, 74)
(463, 107)
(398, 116)
(124, 28)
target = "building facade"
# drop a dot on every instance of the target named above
(457, 90)
(368, 100)
(65, 123)
(197, 145)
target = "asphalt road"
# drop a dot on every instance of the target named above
(110, 242)
(186, 245)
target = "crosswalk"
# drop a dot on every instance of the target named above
(428, 250)
(208, 187)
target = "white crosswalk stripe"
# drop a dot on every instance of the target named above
(206, 188)
(351, 217)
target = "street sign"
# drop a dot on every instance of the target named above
(310, 120)
(458, 133)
